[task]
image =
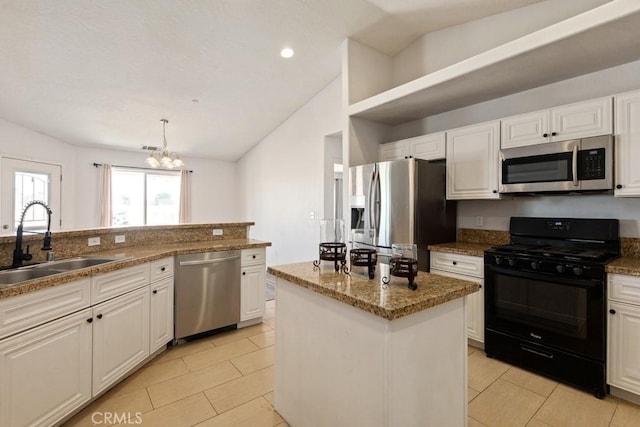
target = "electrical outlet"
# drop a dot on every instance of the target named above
(479, 221)
(120, 238)
(93, 241)
(217, 232)
(312, 215)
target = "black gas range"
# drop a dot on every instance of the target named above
(545, 298)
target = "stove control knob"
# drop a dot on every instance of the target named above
(560, 268)
(535, 265)
(577, 271)
(512, 262)
(498, 260)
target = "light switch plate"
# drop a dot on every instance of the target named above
(93, 241)
(217, 232)
(120, 238)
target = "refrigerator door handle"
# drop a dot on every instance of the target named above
(370, 196)
(376, 203)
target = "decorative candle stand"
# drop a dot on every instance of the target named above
(364, 258)
(333, 251)
(403, 267)
(332, 246)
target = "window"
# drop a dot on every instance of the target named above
(141, 197)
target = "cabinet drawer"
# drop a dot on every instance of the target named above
(26, 311)
(109, 285)
(161, 268)
(624, 288)
(253, 256)
(460, 264)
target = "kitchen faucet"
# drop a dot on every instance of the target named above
(18, 255)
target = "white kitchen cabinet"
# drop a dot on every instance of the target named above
(120, 337)
(472, 161)
(579, 120)
(45, 372)
(161, 314)
(623, 338)
(426, 147)
(627, 139)
(465, 267)
(252, 282)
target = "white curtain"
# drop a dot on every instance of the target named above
(185, 196)
(105, 196)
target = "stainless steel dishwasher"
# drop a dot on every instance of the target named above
(207, 292)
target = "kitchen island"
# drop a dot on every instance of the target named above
(353, 351)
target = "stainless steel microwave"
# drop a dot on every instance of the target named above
(566, 166)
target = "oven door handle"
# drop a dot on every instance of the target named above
(581, 283)
(536, 352)
(574, 165)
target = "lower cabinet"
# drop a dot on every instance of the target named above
(465, 267)
(120, 337)
(252, 282)
(45, 372)
(623, 339)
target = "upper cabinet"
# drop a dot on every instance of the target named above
(627, 149)
(426, 147)
(472, 161)
(579, 120)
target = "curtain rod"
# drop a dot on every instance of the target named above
(97, 165)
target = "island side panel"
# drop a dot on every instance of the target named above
(328, 361)
(428, 367)
(337, 365)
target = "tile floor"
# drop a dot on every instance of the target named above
(227, 380)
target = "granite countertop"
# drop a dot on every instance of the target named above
(390, 301)
(461, 248)
(624, 265)
(132, 255)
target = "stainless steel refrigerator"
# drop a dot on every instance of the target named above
(401, 201)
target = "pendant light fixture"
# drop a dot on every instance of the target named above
(162, 157)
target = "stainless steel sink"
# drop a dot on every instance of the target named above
(22, 274)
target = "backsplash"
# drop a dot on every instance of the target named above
(74, 243)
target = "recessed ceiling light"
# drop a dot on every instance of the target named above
(287, 52)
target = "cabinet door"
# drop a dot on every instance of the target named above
(525, 129)
(393, 151)
(627, 150)
(624, 347)
(161, 327)
(472, 162)
(583, 119)
(120, 337)
(428, 147)
(252, 284)
(45, 372)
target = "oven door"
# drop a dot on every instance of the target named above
(543, 167)
(560, 312)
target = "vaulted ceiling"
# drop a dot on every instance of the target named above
(103, 73)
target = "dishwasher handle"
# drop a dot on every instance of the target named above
(208, 261)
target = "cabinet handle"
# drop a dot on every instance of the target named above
(554, 133)
(612, 311)
(244, 272)
(495, 191)
(619, 186)
(89, 320)
(155, 291)
(163, 269)
(254, 257)
(99, 316)
(455, 263)
(480, 286)
(545, 135)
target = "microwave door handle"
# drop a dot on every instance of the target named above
(575, 165)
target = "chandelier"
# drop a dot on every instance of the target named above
(163, 157)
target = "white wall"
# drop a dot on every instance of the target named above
(214, 185)
(445, 47)
(282, 179)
